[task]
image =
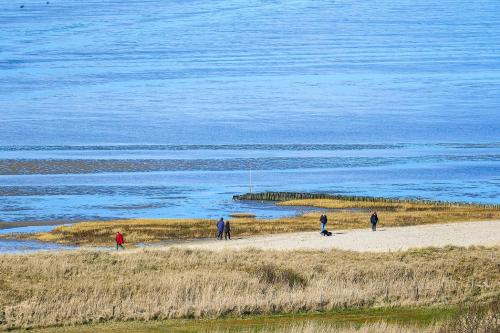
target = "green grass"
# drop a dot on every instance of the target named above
(409, 316)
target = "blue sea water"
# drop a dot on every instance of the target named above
(147, 108)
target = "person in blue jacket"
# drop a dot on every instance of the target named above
(324, 220)
(220, 228)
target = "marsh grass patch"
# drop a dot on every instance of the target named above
(271, 274)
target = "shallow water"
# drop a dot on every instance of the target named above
(96, 183)
(24, 246)
(161, 108)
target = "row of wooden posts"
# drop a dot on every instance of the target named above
(285, 196)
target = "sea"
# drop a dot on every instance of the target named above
(153, 109)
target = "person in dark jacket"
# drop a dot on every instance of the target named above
(220, 228)
(324, 220)
(374, 221)
(119, 240)
(227, 231)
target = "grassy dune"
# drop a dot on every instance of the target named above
(348, 214)
(83, 287)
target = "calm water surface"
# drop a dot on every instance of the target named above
(161, 108)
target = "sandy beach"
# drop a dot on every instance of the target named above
(485, 233)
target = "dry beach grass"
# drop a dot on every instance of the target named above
(349, 214)
(81, 287)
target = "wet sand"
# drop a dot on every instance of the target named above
(22, 224)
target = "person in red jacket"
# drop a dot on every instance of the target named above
(119, 240)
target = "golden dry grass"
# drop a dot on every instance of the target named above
(355, 214)
(243, 215)
(349, 215)
(87, 286)
(374, 204)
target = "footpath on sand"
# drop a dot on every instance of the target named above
(486, 233)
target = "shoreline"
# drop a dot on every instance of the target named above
(386, 239)
(346, 213)
(390, 239)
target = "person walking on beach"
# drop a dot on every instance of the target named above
(227, 231)
(119, 240)
(374, 221)
(324, 220)
(220, 228)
